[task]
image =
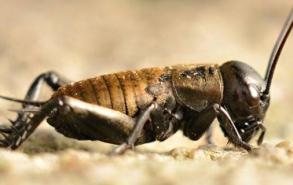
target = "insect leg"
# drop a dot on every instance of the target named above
(13, 136)
(209, 135)
(51, 78)
(76, 119)
(229, 127)
(136, 132)
(54, 81)
(84, 121)
(165, 121)
(173, 122)
(262, 134)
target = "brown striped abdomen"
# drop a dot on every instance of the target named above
(124, 91)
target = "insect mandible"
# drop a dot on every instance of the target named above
(136, 107)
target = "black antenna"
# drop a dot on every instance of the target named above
(277, 51)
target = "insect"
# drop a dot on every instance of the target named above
(136, 107)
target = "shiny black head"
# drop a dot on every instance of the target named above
(244, 98)
(246, 93)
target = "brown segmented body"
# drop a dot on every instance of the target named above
(123, 91)
(130, 91)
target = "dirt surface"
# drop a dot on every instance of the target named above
(81, 39)
(208, 164)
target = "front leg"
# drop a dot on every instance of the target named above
(262, 134)
(230, 128)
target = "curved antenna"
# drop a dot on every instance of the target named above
(277, 51)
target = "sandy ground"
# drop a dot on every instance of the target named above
(208, 164)
(81, 39)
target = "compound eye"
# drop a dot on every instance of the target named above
(253, 98)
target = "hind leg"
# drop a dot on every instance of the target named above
(13, 136)
(86, 121)
(80, 120)
(52, 79)
(75, 119)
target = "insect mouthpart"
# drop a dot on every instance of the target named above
(249, 128)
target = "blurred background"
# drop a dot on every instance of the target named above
(82, 39)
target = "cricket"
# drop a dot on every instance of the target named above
(140, 106)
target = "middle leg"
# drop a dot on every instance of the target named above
(164, 121)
